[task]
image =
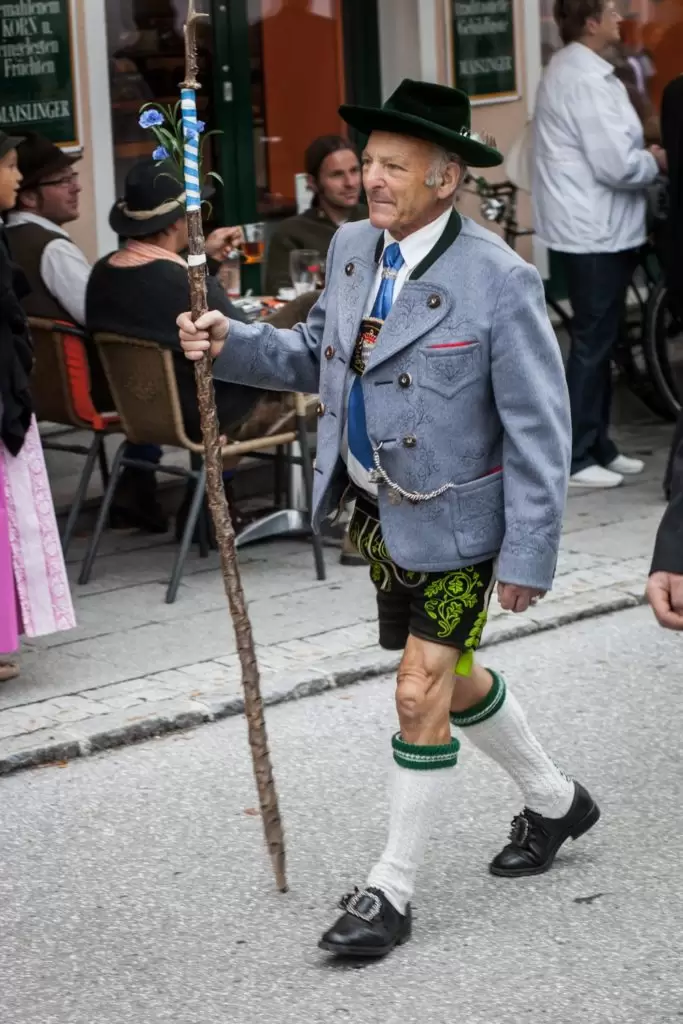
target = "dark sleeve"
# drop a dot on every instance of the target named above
(217, 299)
(277, 262)
(668, 555)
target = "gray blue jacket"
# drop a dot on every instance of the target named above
(465, 396)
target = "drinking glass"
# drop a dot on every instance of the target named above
(254, 242)
(304, 270)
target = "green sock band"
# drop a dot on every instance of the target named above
(409, 755)
(486, 708)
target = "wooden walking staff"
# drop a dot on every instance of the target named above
(225, 534)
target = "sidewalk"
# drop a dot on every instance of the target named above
(136, 667)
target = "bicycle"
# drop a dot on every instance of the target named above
(640, 353)
(663, 347)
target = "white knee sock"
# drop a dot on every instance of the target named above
(498, 727)
(420, 778)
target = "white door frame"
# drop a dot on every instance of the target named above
(97, 129)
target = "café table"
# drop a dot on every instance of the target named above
(294, 520)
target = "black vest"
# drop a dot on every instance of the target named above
(28, 243)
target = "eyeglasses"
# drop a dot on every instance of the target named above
(70, 181)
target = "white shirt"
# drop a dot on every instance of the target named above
(590, 166)
(414, 248)
(63, 267)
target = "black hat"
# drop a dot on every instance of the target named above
(435, 113)
(153, 199)
(8, 142)
(39, 159)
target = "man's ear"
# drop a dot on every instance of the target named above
(312, 184)
(450, 180)
(29, 200)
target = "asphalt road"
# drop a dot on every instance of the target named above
(134, 886)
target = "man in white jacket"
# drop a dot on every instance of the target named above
(591, 172)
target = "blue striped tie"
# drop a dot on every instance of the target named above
(359, 442)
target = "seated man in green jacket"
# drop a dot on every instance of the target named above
(333, 170)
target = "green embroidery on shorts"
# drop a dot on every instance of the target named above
(474, 638)
(449, 596)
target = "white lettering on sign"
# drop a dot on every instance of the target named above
(483, 27)
(21, 113)
(474, 10)
(30, 9)
(484, 65)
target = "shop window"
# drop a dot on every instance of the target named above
(147, 63)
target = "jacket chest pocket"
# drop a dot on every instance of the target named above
(450, 366)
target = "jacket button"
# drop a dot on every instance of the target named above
(409, 441)
(434, 301)
(405, 380)
(320, 410)
(329, 352)
(349, 269)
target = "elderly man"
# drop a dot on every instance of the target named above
(443, 405)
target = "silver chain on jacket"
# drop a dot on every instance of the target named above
(380, 476)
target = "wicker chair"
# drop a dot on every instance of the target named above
(142, 379)
(60, 387)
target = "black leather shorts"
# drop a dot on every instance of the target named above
(447, 608)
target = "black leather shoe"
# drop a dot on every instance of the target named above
(369, 927)
(535, 840)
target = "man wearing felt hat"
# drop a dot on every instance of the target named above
(443, 406)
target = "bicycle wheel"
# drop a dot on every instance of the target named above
(663, 349)
(631, 358)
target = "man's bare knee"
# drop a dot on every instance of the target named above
(423, 693)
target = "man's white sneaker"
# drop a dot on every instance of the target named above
(595, 476)
(627, 467)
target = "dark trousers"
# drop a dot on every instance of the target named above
(597, 284)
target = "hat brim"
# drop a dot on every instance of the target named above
(130, 227)
(9, 143)
(59, 163)
(375, 119)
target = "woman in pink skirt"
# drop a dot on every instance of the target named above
(34, 591)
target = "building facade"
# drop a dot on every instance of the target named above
(273, 74)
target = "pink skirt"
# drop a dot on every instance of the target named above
(34, 589)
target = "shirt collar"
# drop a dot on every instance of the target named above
(18, 217)
(415, 247)
(582, 56)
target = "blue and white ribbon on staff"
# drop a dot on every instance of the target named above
(188, 105)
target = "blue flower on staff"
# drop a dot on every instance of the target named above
(151, 119)
(160, 153)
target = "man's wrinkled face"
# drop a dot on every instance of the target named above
(396, 171)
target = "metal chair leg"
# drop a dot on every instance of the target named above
(104, 466)
(203, 528)
(94, 451)
(192, 516)
(307, 469)
(279, 470)
(102, 516)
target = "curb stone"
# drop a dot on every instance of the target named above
(124, 727)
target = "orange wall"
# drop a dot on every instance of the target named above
(303, 87)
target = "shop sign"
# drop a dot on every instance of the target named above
(36, 68)
(484, 61)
